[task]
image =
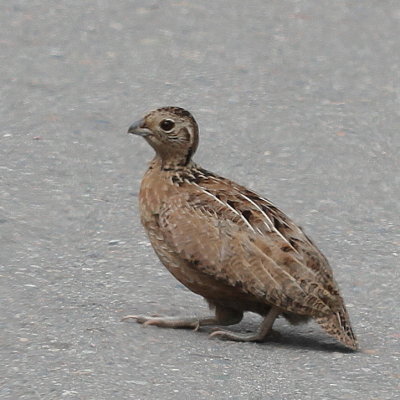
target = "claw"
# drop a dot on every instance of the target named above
(218, 332)
(147, 322)
(141, 319)
(129, 317)
(197, 327)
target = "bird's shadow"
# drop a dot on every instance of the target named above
(298, 341)
(284, 337)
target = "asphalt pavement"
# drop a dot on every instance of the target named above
(299, 100)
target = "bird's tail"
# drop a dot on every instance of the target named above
(338, 325)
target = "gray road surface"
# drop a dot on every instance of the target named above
(297, 99)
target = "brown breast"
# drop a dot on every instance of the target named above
(157, 189)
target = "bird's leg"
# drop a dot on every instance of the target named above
(260, 335)
(223, 316)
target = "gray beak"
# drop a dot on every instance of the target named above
(137, 129)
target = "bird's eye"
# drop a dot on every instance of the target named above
(167, 125)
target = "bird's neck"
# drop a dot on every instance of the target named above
(170, 163)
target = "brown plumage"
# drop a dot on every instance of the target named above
(228, 244)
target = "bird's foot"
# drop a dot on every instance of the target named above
(262, 333)
(237, 337)
(243, 337)
(172, 322)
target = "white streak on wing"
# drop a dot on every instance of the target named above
(226, 205)
(292, 226)
(268, 223)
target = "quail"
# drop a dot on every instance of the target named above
(228, 244)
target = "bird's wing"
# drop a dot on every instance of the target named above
(213, 239)
(263, 216)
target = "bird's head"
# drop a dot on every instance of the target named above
(172, 132)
